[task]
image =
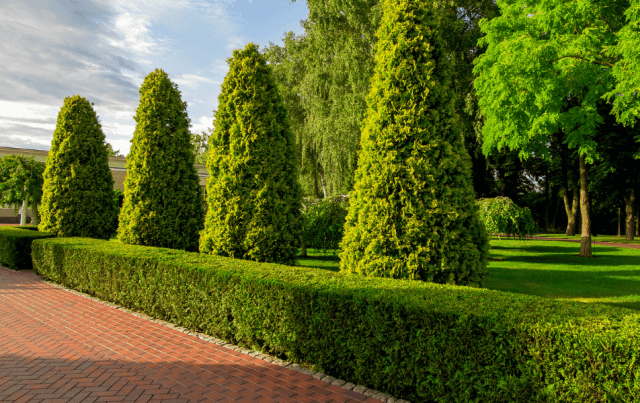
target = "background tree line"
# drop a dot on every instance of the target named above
(324, 76)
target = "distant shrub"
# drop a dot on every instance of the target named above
(502, 216)
(323, 222)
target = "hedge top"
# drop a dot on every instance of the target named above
(497, 306)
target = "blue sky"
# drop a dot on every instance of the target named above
(103, 49)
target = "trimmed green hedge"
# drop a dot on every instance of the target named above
(27, 227)
(15, 247)
(419, 341)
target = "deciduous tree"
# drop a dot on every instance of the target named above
(21, 183)
(547, 65)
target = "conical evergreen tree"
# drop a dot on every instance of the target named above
(253, 195)
(162, 196)
(412, 212)
(77, 197)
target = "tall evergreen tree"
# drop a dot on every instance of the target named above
(412, 212)
(253, 194)
(162, 204)
(77, 195)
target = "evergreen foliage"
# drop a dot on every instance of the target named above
(323, 222)
(253, 195)
(77, 195)
(162, 205)
(412, 212)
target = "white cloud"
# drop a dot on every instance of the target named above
(203, 123)
(193, 81)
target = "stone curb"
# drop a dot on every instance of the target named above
(384, 397)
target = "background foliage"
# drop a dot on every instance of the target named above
(501, 215)
(323, 222)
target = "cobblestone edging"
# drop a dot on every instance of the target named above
(386, 398)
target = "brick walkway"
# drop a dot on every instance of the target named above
(57, 346)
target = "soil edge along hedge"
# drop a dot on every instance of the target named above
(423, 342)
(412, 213)
(253, 195)
(77, 194)
(162, 196)
(15, 247)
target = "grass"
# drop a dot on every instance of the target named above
(599, 238)
(549, 269)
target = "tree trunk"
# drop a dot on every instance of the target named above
(23, 213)
(303, 252)
(637, 223)
(570, 202)
(547, 201)
(585, 240)
(322, 182)
(35, 214)
(630, 215)
(571, 208)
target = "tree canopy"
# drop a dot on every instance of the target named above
(547, 66)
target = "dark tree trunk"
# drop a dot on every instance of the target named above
(570, 201)
(630, 229)
(547, 201)
(571, 207)
(637, 223)
(585, 240)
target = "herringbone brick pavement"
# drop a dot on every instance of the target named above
(56, 346)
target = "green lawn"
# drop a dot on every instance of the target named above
(599, 238)
(550, 269)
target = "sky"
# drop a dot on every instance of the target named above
(103, 49)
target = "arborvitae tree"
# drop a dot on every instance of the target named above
(253, 195)
(162, 204)
(412, 212)
(77, 195)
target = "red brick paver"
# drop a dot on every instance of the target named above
(56, 346)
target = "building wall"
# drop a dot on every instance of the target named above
(116, 164)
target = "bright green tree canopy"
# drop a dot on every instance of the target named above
(546, 67)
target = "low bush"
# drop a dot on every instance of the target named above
(502, 216)
(15, 246)
(419, 341)
(323, 222)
